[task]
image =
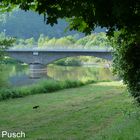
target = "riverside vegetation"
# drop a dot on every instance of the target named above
(45, 86)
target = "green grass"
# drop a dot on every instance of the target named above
(101, 111)
(45, 86)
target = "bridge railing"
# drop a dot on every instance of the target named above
(60, 47)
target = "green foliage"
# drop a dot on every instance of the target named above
(25, 43)
(2, 18)
(98, 39)
(42, 40)
(63, 41)
(84, 41)
(30, 41)
(74, 61)
(45, 41)
(94, 40)
(5, 42)
(42, 87)
(126, 61)
(51, 42)
(85, 15)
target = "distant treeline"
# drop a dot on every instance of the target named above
(97, 40)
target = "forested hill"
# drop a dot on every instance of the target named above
(29, 24)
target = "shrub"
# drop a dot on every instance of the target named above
(127, 61)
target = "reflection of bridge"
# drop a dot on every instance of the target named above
(37, 58)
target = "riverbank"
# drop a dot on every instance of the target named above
(99, 111)
(44, 86)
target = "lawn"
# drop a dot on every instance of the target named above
(99, 111)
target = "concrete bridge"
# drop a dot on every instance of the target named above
(47, 56)
(37, 58)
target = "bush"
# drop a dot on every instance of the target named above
(127, 61)
(70, 61)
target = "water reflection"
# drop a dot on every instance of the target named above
(80, 73)
(18, 75)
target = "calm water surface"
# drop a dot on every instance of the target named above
(19, 75)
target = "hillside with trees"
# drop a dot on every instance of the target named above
(21, 24)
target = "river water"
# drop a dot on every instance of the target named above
(19, 75)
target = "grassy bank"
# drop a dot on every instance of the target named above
(99, 111)
(44, 86)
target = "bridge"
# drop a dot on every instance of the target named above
(37, 58)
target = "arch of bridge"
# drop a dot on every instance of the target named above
(48, 56)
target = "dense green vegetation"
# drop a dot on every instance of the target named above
(97, 41)
(102, 111)
(5, 42)
(126, 61)
(45, 86)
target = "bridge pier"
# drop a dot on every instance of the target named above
(37, 70)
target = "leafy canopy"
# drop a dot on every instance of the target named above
(84, 15)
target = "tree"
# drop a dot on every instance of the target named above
(5, 42)
(85, 15)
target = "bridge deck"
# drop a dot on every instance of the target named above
(58, 50)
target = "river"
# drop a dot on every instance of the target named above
(19, 74)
